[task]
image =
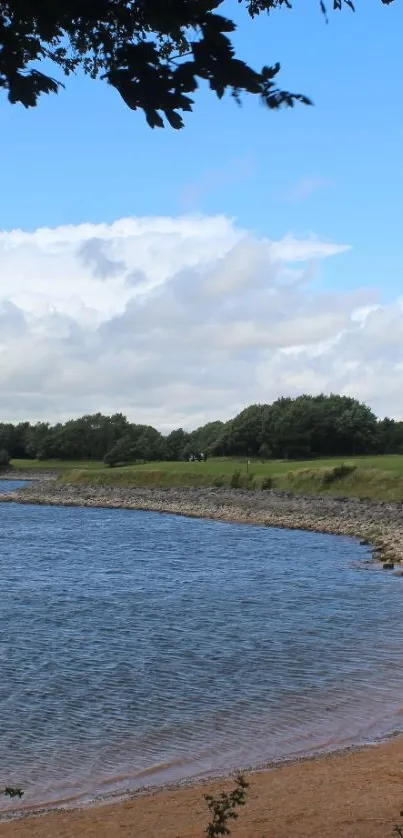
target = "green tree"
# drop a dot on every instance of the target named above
(243, 435)
(318, 426)
(6, 437)
(88, 437)
(288, 427)
(155, 54)
(147, 443)
(35, 440)
(271, 433)
(121, 453)
(4, 459)
(13, 438)
(356, 429)
(175, 444)
(389, 437)
(203, 439)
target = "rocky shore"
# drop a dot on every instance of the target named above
(380, 524)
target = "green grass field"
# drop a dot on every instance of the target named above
(227, 465)
(377, 477)
(220, 465)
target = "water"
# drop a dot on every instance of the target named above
(138, 648)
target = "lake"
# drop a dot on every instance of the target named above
(139, 648)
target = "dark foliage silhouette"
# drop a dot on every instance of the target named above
(155, 53)
(223, 808)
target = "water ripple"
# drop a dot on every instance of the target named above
(138, 648)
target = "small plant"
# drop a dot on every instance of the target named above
(223, 808)
(242, 480)
(250, 482)
(337, 473)
(236, 480)
(266, 484)
(219, 481)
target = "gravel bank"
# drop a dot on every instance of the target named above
(379, 523)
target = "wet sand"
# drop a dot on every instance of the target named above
(357, 794)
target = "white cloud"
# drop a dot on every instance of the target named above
(181, 320)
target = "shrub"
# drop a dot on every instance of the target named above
(218, 481)
(266, 484)
(223, 808)
(337, 473)
(249, 482)
(236, 480)
(241, 480)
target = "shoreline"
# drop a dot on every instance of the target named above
(355, 793)
(377, 524)
(194, 782)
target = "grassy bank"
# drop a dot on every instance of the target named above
(351, 481)
(345, 480)
(380, 478)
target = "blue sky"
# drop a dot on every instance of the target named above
(333, 170)
(84, 156)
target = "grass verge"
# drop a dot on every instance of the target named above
(376, 477)
(157, 478)
(365, 483)
(343, 479)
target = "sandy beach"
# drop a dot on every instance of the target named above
(356, 794)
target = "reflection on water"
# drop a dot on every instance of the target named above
(140, 648)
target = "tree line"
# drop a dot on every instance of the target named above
(289, 428)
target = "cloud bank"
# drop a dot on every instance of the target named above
(177, 321)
